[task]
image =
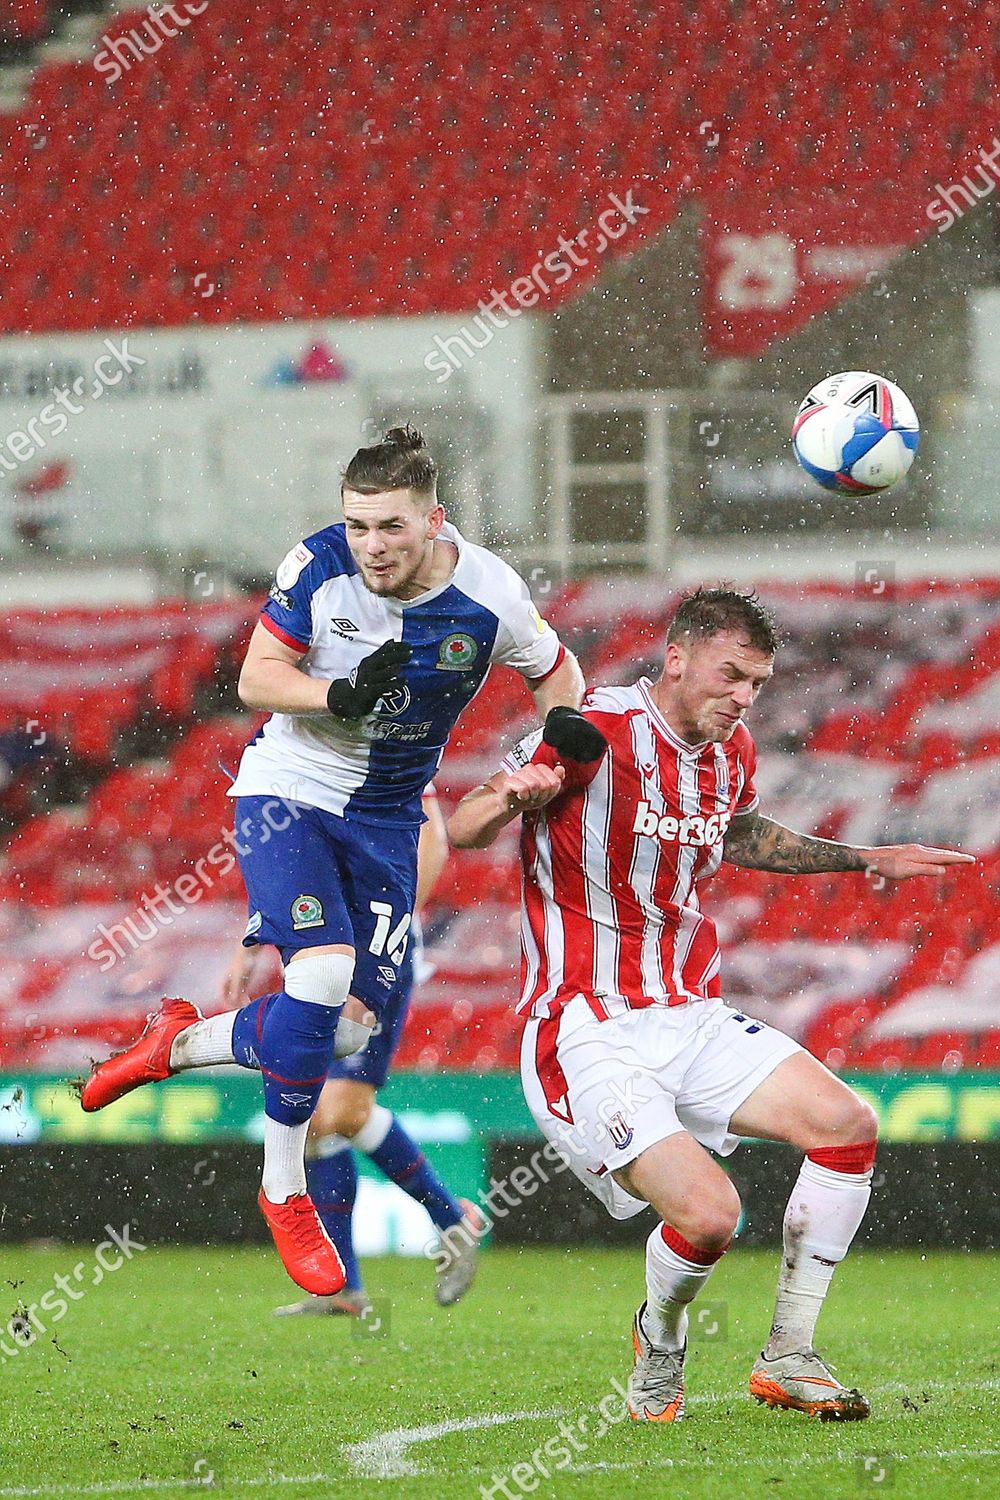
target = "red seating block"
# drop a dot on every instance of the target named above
(538, 122)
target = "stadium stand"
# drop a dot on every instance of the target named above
(243, 147)
(23, 21)
(876, 727)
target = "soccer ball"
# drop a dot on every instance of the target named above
(856, 433)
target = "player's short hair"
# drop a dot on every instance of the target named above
(399, 462)
(705, 612)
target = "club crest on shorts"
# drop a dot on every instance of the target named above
(307, 911)
(620, 1130)
(458, 651)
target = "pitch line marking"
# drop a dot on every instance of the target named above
(376, 1456)
(384, 1455)
(136, 1486)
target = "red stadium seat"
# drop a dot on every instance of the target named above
(538, 107)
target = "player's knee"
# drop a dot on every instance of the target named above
(343, 1109)
(320, 978)
(848, 1120)
(863, 1121)
(711, 1223)
(323, 1118)
(351, 1115)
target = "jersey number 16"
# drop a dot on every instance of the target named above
(388, 939)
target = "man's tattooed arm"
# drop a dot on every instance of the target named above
(757, 843)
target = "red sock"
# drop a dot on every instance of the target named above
(854, 1159)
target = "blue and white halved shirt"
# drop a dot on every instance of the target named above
(377, 768)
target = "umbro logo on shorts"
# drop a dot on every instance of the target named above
(693, 829)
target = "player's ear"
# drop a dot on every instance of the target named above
(674, 657)
(435, 520)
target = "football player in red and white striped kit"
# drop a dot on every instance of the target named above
(632, 1063)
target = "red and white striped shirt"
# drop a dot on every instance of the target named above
(610, 867)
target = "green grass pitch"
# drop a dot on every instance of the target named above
(172, 1376)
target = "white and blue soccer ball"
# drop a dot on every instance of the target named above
(856, 433)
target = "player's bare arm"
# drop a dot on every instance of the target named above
(484, 812)
(563, 688)
(235, 987)
(432, 850)
(271, 678)
(758, 843)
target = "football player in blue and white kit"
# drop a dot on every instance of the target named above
(377, 633)
(349, 1119)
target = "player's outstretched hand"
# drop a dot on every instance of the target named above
(355, 696)
(900, 861)
(574, 736)
(236, 980)
(532, 787)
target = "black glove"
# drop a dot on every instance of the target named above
(572, 735)
(355, 696)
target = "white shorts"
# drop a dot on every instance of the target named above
(605, 1091)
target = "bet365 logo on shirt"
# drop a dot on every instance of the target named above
(693, 829)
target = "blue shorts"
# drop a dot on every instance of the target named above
(314, 878)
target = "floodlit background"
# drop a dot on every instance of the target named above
(597, 252)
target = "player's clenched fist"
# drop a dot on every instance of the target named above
(355, 696)
(532, 787)
(572, 735)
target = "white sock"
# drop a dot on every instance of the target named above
(284, 1160)
(204, 1043)
(823, 1215)
(375, 1129)
(321, 1146)
(672, 1281)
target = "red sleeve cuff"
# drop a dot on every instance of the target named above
(560, 658)
(282, 635)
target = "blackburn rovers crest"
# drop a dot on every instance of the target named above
(458, 652)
